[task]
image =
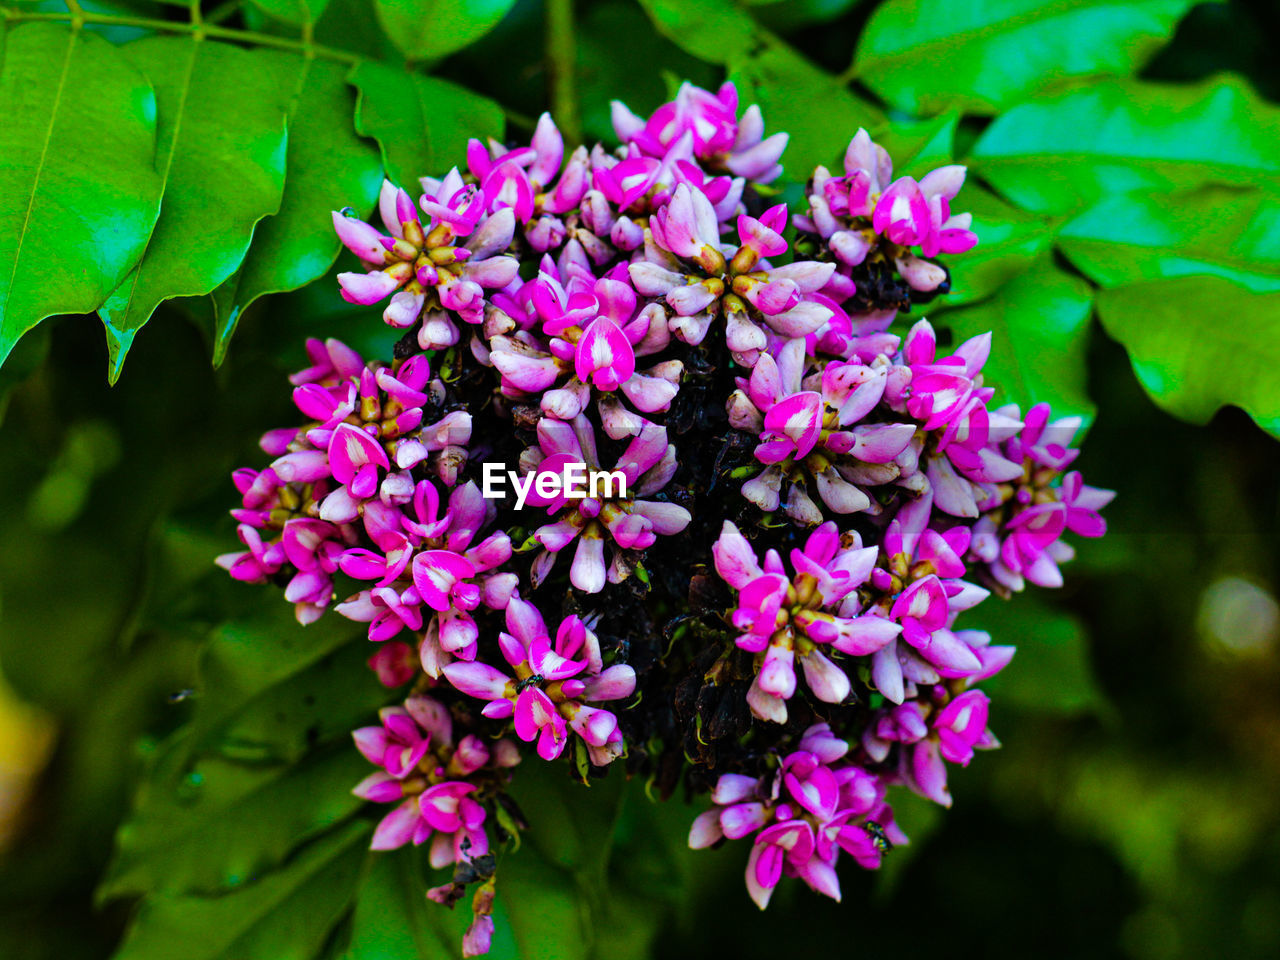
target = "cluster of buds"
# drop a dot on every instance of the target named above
(762, 603)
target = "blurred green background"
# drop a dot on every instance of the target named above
(1133, 812)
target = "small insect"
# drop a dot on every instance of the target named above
(528, 682)
(878, 836)
(179, 695)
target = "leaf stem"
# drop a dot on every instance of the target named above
(561, 54)
(177, 26)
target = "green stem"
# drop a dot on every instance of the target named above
(203, 29)
(561, 54)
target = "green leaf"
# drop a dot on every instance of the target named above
(427, 29)
(292, 11)
(982, 56)
(786, 86)
(917, 146)
(1009, 241)
(1065, 152)
(772, 74)
(284, 915)
(393, 919)
(603, 76)
(78, 192)
(328, 167)
(272, 689)
(1040, 330)
(1219, 231)
(221, 156)
(210, 826)
(1051, 672)
(1198, 343)
(422, 124)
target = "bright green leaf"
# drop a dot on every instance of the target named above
(422, 124)
(1217, 231)
(786, 86)
(1051, 672)
(1198, 343)
(1009, 241)
(426, 29)
(393, 919)
(292, 11)
(1062, 153)
(78, 192)
(286, 914)
(981, 56)
(329, 167)
(1040, 328)
(221, 154)
(920, 145)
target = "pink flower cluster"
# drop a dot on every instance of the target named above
(816, 804)
(808, 500)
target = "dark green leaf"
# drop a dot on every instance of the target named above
(1040, 328)
(1198, 343)
(1219, 231)
(329, 167)
(1065, 152)
(284, 915)
(422, 124)
(923, 56)
(78, 192)
(211, 826)
(772, 74)
(426, 29)
(1051, 672)
(789, 15)
(604, 76)
(221, 156)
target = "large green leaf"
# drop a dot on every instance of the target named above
(917, 146)
(1220, 231)
(1051, 672)
(603, 76)
(1198, 343)
(270, 688)
(221, 155)
(329, 167)
(422, 124)
(1009, 241)
(292, 11)
(286, 914)
(1040, 327)
(1062, 153)
(78, 192)
(769, 72)
(426, 29)
(210, 826)
(393, 919)
(982, 56)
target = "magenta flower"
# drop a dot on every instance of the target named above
(433, 777)
(784, 616)
(803, 816)
(552, 692)
(630, 521)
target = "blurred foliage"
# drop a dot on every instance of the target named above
(1124, 166)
